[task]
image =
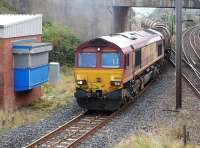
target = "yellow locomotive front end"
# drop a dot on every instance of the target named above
(99, 79)
(100, 82)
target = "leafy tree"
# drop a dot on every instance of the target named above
(5, 8)
(63, 40)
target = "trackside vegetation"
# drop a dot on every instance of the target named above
(160, 139)
(63, 40)
(54, 97)
(6, 9)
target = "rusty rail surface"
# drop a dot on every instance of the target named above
(191, 58)
(80, 128)
(74, 131)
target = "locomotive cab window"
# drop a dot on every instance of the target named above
(87, 60)
(110, 60)
(159, 50)
(137, 57)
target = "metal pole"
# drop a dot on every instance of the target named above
(178, 53)
(184, 135)
(172, 17)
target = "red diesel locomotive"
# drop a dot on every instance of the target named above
(110, 70)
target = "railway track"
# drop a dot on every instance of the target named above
(191, 58)
(87, 123)
(80, 128)
(73, 132)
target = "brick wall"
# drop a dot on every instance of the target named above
(8, 99)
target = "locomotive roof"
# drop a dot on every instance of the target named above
(127, 40)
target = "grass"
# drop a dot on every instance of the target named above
(59, 95)
(13, 120)
(164, 138)
(6, 9)
(54, 97)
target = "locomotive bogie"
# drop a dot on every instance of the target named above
(91, 101)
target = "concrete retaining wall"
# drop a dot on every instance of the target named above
(86, 18)
(90, 18)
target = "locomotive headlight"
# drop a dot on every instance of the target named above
(81, 82)
(116, 83)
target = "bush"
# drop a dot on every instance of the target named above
(5, 8)
(63, 40)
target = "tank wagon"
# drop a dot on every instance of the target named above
(110, 70)
(160, 27)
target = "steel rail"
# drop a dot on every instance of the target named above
(187, 37)
(54, 132)
(107, 120)
(85, 135)
(197, 92)
(80, 138)
(192, 36)
(188, 42)
(188, 64)
(195, 43)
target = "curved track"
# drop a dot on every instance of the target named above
(191, 58)
(191, 51)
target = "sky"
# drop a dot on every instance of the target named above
(143, 11)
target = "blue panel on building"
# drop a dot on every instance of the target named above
(28, 78)
(31, 47)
